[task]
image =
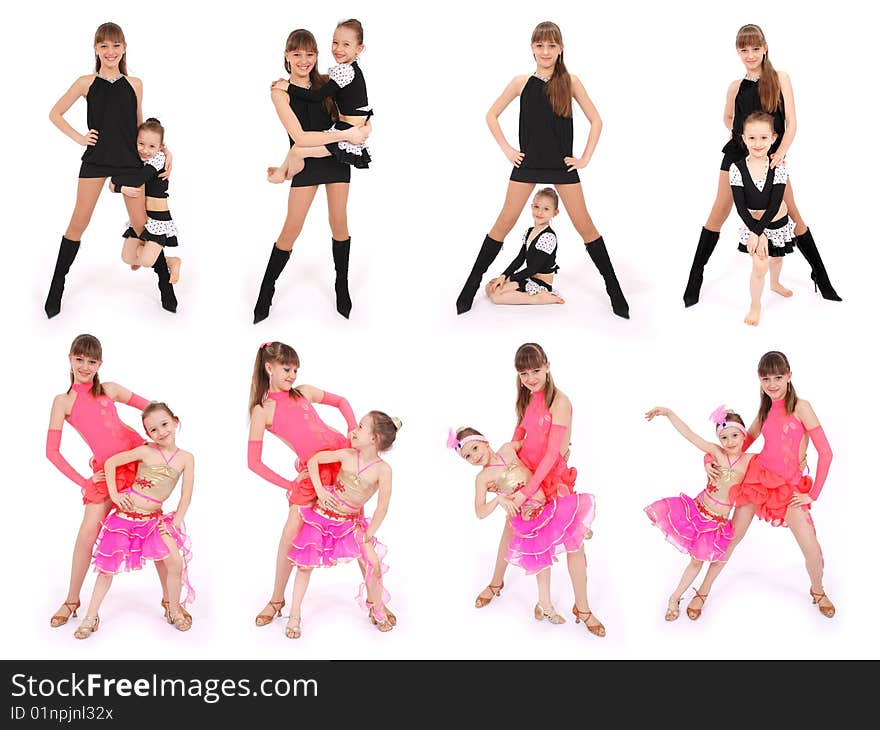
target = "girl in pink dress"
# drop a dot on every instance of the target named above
(288, 412)
(701, 526)
(774, 486)
(334, 528)
(540, 528)
(137, 530)
(89, 407)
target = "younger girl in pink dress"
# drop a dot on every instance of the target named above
(137, 530)
(335, 530)
(540, 526)
(701, 526)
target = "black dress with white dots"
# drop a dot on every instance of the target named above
(545, 138)
(748, 100)
(112, 111)
(313, 117)
(765, 194)
(535, 257)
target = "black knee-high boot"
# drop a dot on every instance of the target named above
(66, 254)
(708, 240)
(819, 275)
(599, 254)
(166, 290)
(277, 261)
(341, 250)
(488, 252)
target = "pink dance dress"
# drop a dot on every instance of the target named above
(544, 527)
(535, 432)
(129, 539)
(699, 526)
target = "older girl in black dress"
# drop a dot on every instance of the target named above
(546, 134)
(114, 113)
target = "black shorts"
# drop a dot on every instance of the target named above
(90, 170)
(321, 171)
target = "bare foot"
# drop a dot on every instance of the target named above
(781, 290)
(753, 317)
(173, 269)
(556, 299)
(135, 267)
(274, 176)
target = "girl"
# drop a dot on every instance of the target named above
(774, 486)
(545, 156)
(300, 58)
(763, 89)
(335, 529)
(160, 230)
(89, 407)
(349, 90)
(540, 527)
(701, 526)
(759, 203)
(533, 284)
(113, 115)
(137, 530)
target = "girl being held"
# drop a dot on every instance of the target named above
(533, 283)
(335, 530)
(701, 526)
(137, 530)
(160, 230)
(349, 90)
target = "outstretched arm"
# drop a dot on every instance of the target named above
(316, 395)
(120, 394)
(685, 431)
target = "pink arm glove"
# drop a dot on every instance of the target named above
(748, 441)
(137, 401)
(256, 465)
(817, 436)
(519, 433)
(554, 448)
(339, 402)
(53, 454)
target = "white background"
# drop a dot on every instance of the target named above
(658, 75)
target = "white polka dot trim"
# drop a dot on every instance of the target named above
(525, 238)
(532, 288)
(161, 228)
(546, 242)
(736, 178)
(343, 74)
(780, 175)
(157, 160)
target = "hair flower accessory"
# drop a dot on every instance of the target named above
(452, 441)
(719, 415)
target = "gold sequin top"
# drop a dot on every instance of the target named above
(155, 482)
(513, 477)
(353, 491)
(714, 497)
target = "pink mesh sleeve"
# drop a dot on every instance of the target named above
(137, 401)
(748, 441)
(817, 436)
(708, 458)
(53, 454)
(519, 433)
(256, 465)
(337, 401)
(554, 448)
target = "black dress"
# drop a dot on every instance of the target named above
(545, 139)
(748, 100)
(313, 117)
(112, 111)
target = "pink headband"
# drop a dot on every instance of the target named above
(719, 418)
(453, 442)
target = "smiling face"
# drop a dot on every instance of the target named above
(109, 53)
(148, 143)
(775, 386)
(83, 367)
(345, 46)
(546, 53)
(535, 378)
(543, 210)
(160, 427)
(731, 440)
(363, 435)
(282, 375)
(476, 452)
(301, 62)
(758, 137)
(752, 56)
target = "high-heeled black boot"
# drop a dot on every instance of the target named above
(277, 261)
(341, 250)
(708, 240)
(488, 252)
(66, 254)
(599, 254)
(166, 290)
(819, 275)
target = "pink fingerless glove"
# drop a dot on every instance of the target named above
(748, 441)
(708, 459)
(137, 401)
(337, 401)
(817, 436)
(554, 449)
(519, 433)
(53, 454)
(256, 465)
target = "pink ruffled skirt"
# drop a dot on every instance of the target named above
(561, 525)
(691, 531)
(125, 544)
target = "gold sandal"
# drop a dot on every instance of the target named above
(265, 618)
(186, 614)
(59, 619)
(694, 613)
(481, 601)
(293, 629)
(596, 629)
(84, 631)
(826, 611)
(550, 614)
(673, 613)
(380, 621)
(179, 621)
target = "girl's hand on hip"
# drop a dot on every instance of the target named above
(514, 155)
(575, 163)
(90, 139)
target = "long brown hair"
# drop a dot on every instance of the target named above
(528, 356)
(302, 40)
(270, 352)
(775, 363)
(88, 346)
(558, 88)
(113, 33)
(768, 85)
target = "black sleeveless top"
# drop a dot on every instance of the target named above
(748, 100)
(112, 110)
(313, 117)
